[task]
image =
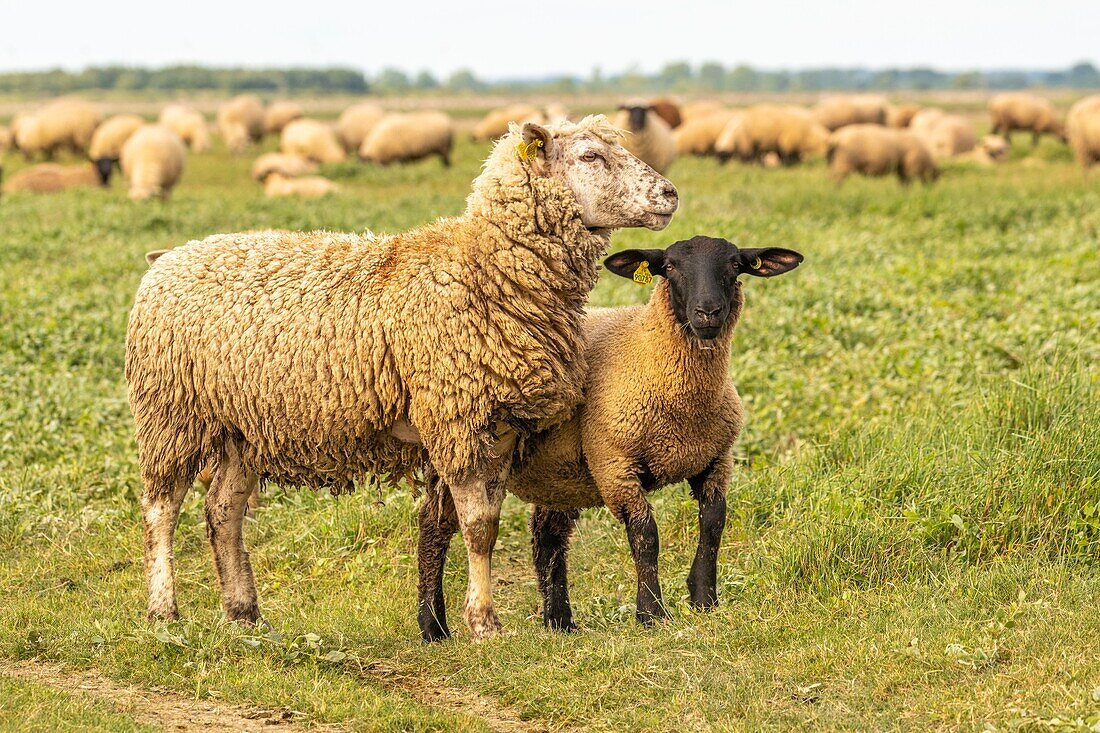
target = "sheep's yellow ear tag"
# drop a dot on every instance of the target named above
(756, 263)
(528, 151)
(642, 275)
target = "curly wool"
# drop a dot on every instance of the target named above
(308, 348)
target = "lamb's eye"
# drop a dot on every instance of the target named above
(669, 267)
(590, 156)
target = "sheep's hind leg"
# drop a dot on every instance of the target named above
(709, 489)
(160, 510)
(550, 532)
(226, 501)
(438, 523)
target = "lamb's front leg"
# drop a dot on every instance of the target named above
(438, 524)
(622, 492)
(550, 531)
(709, 489)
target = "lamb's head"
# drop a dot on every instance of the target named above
(613, 188)
(702, 277)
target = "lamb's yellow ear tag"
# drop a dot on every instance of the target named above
(642, 275)
(756, 263)
(528, 151)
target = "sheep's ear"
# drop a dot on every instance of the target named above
(625, 263)
(769, 261)
(151, 257)
(533, 132)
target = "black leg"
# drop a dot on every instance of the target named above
(438, 523)
(645, 546)
(709, 489)
(550, 532)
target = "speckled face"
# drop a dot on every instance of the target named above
(614, 188)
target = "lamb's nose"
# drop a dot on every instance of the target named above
(707, 311)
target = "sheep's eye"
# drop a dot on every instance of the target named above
(590, 156)
(669, 267)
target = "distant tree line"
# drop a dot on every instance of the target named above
(674, 77)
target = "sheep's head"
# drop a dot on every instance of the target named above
(636, 114)
(613, 188)
(702, 277)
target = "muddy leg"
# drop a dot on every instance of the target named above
(160, 510)
(477, 504)
(550, 531)
(709, 489)
(206, 476)
(225, 507)
(438, 523)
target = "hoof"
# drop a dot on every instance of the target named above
(651, 615)
(483, 622)
(245, 615)
(561, 624)
(702, 598)
(161, 614)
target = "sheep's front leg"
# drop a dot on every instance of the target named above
(226, 500)
(477, 504)
(438, 523)
(550, 532)
(160, 511)
(709, 489)
(622, 492)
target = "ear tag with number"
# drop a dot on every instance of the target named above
(528, 151)
(642, 275)
(756, 263)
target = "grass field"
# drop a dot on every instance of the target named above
(914, 529)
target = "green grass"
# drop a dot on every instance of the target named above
(914, 528)
(29, 706)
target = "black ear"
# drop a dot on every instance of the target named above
(626, 262)
(768, 261)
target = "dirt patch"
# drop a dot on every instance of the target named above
(159, 709)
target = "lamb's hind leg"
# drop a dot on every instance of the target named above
(226, 501)
(709, 489)
(161, 500)
(550, 532)
(438, 523)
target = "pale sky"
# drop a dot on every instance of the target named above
(523, 39)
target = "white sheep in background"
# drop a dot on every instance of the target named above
(356, 122)
(152, 161)
(649, 136)
(278, 185)
(289, 166)
(402, 138)
(189, 124)
(279, 114)
(241, 122)
(313, 140)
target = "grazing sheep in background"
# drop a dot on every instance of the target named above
(650, 137)
(991, 149)
(947, 136)
(5, 139)
(699, 135)
(277, 185)
(1013, 111)
(1083, 130)
(106, 146)
(152, 161)
(289, 166)
(668, 111)
(313, 140)
(840, 110)
(696, 110)
(314, 359)
(189, 124)
(900, 115)
(789, 132)
(659, 408)
(356, 122)
(401, 138)
(241, 122)
(279, 114)
(496, 122)
(874, 150)
(51, 177)
(60, 125)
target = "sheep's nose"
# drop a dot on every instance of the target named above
(668, 191)
(708, 311)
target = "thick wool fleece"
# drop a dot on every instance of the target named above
(658, 404)
(306, 349)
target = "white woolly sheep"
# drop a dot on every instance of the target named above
(189, 124)
(313, 140)
(152, 161)
(277, 185)
(289, 166)
(837, 111)
(279, 114)
(789, 132)
(874, 150)
(51, 177)
(5, 139)
(1083, 130)
(698, 135)
(991, 149)
(899, 116)
(356, 122)
(61, 124)
(659, 408)
(1012, 111)
(496, 122)
(241, 122)
(106, 146)
(649, 138)
(696, 110)
(317, 359)
(945, 135)
(400, 138)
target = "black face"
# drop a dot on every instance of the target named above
(103, 167)
(702, 276)
(637, 116)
